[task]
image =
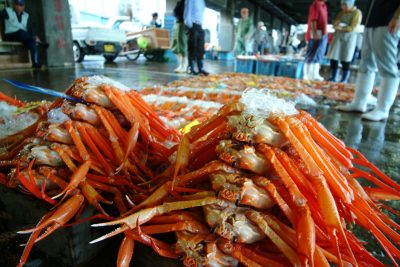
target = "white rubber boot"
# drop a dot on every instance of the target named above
(364, 86)
(386, 96)
(372, 100)
(184, 64)
(306, 71)
(316, 76)
(180, 58)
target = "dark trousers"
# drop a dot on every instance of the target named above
(28, 40)
(335, 65)
(196, 42)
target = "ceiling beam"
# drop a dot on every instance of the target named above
(276, 11)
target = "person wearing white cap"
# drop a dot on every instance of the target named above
(261, 39)
(379, 52)
(18, 28)
(344, 40)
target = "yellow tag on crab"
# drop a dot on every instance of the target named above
(251, 84)
(189, 126)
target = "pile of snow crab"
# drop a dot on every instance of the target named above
(239, 82)
(257, 184)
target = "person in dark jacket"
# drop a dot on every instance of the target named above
(193, 18)
(379, 53)
(18, 28)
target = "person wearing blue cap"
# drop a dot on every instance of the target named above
(379, 53)
(344, 40)
(18, 28)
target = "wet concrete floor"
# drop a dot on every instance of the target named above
(378, 141)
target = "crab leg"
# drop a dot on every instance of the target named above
(50, 174)
(182, 158)
(101, 143)
(31, 241)
(200, 130)
(78, 176)
(112, 135)
(130, 112)
(143, 216)
(77, 140)
(93, 197)
(189, 226)
(378, 194)
(271, 189)
(132, 139)
(361, 160)
(11, 101)
(125, 252)
(155, 122)
(31, 186)
(257, 218)
(235, 251)
(327, 140)
(58, 217)
(290, 185)
(88, 140)
(160, 247)
(334, 177)
(118, 199)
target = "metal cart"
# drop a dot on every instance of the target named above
(158, 43)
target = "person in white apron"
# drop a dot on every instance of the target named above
(379, 53)
(344, 40)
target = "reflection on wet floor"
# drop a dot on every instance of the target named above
(378, 141)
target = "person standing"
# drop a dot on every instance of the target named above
(244, 34)
(193, 18)
(179, 37)
(155, 23)
(317, 37)
(261, 39)
(344, 40)
(379, 52)
(18, 28)
(284, 43)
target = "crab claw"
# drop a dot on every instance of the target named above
(58, 218)
(145, 215)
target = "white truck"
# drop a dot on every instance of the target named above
(97, 40)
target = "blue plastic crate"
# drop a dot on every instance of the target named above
(207, 55)
(267, 67)
(244, 65)
(226, 55)
(292, 69)
(170, 55)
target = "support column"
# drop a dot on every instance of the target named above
(226, 32)
(51, 19)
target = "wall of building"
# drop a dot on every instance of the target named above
(51, 20)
